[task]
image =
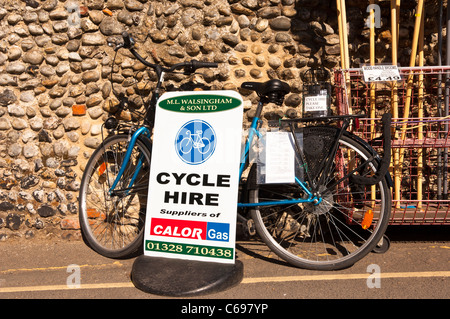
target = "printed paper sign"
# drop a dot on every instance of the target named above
(316, 103)
(193, 187)
(280, 158)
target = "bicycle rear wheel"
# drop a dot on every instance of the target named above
(113, 224)
(340, 230)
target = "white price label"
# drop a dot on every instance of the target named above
(381, 73)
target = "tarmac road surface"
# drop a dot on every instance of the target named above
(417, 266)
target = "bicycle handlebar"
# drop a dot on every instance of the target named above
(128, 41)
(189, 66)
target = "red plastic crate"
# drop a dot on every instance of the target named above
(420, 139)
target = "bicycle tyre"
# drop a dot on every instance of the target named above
(113, 225)
(328, 236)
(186, 145)
(206, 146)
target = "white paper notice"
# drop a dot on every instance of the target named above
(316, 103)
(280, 158)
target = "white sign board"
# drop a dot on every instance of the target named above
(193, 187)
(381, 73)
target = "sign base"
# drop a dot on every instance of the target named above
(183, 278)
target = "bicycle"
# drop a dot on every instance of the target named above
(114, 186)
(200, 143)
(328, 219)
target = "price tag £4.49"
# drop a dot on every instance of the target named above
(381, 73)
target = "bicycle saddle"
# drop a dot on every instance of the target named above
(273, 90)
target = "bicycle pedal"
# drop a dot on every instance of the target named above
(251, 227)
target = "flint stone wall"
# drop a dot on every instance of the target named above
(55, 67)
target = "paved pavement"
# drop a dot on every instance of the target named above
(417, 266)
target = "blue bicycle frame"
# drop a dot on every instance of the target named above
(142, 130)
(253, 131)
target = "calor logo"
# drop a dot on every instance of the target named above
(190, 229)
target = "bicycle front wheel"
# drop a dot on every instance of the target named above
(113, 223)
(185, 145)
(344, 226)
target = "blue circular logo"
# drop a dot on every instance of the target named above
(195, 142)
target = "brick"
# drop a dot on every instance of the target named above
(92, 213)
(107, 12)
(70, 223)
(84, 11)
(79, 109)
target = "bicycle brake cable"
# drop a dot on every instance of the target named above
(111, 75)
